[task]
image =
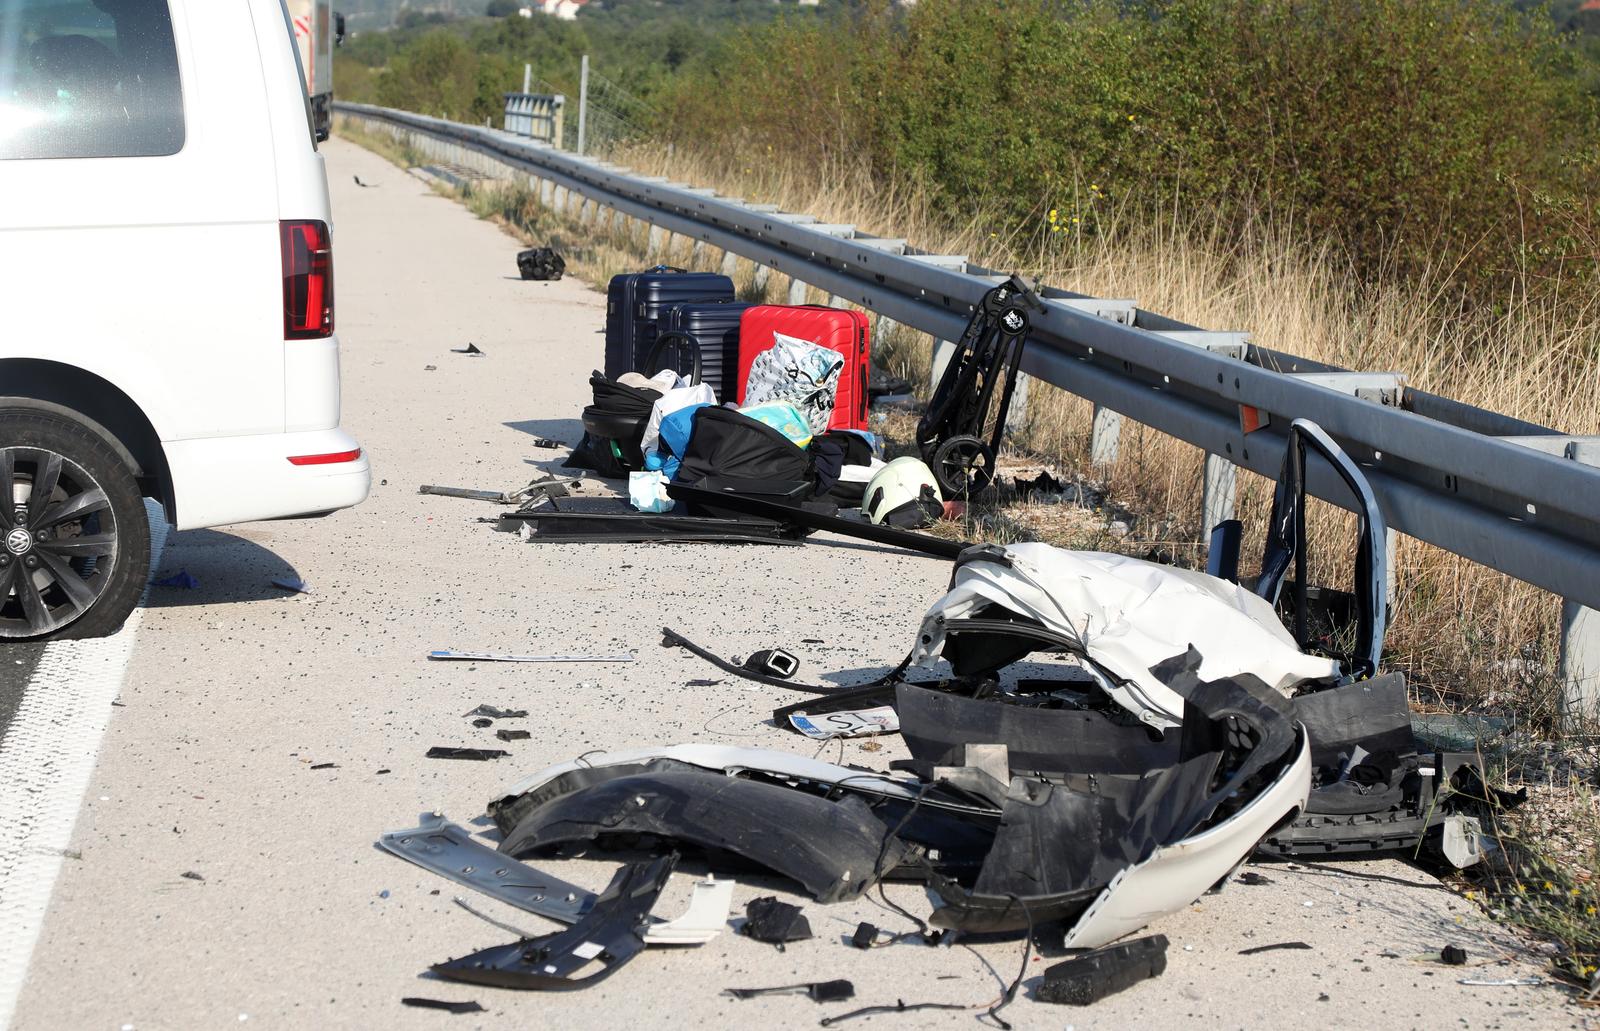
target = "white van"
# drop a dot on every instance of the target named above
(166, 295)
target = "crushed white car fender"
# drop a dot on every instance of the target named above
(1176, 875)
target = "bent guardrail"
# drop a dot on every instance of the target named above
(1511, 495)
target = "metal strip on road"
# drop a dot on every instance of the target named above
(47, 754)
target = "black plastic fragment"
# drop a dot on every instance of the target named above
(547, 443)
(773, 662)
(865, 935)
(1103, 972)
(483, 721)
(441, 1004)
(609, 934)
(498, 714)
(193, 875)
(819, 991)
(1253, 878)
(1274, 947)
(1453, 955)
(475, 754)
(768, 920)
(512, 735)
(469, 349)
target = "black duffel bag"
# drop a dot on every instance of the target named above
(541, 263)
(728, 450)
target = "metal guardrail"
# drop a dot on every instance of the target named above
(1507, 494)
(536, 116)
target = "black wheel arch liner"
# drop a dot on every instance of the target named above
(835, 847)
(94, 402)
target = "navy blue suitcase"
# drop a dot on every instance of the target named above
(716, 328)
(636, 301)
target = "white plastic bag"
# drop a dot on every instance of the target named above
(672, 401)
(647, 491)
(800, 372)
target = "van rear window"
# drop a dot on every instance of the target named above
(88, 79)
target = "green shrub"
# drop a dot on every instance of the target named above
(1414, 132)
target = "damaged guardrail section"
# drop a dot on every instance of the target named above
(1507, 494)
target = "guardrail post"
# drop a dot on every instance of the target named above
(1104, 436)
(797, 291)
(763, 273)
(943, 351)
(1218, 493)
(653, 243)
(547, 191)
(1579, 667)
(730, 264)
(1580, 658)
(1391, 544)
(697, 254)
(1017, 414)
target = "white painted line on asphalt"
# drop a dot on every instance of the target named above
(46, 759)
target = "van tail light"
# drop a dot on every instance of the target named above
(307, 280)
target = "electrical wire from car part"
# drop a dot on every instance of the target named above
(670, 638)
(993, 1008)
(878, 871)
(899, 1007)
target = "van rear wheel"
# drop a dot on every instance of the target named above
(74, 534)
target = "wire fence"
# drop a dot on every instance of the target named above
(613, 114)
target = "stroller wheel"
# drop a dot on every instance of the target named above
(964, 466)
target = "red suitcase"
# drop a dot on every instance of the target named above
(839, 329)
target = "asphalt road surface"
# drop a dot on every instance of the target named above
(236, 694)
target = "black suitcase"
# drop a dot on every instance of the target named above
(636, 301)
(716, 328)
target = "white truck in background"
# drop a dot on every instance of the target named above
(317, 30)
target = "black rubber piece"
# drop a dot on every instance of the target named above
(476, 754)
(1104, 972)
(774, 922)
(1275, 947)
(441, 1004)
(1453, 955)
(773, 662)
(918, 542)
(865, 935)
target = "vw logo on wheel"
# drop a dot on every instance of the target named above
(18, 541)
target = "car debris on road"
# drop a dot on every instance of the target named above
(1095, 741)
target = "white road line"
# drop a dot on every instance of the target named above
(46, 759)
